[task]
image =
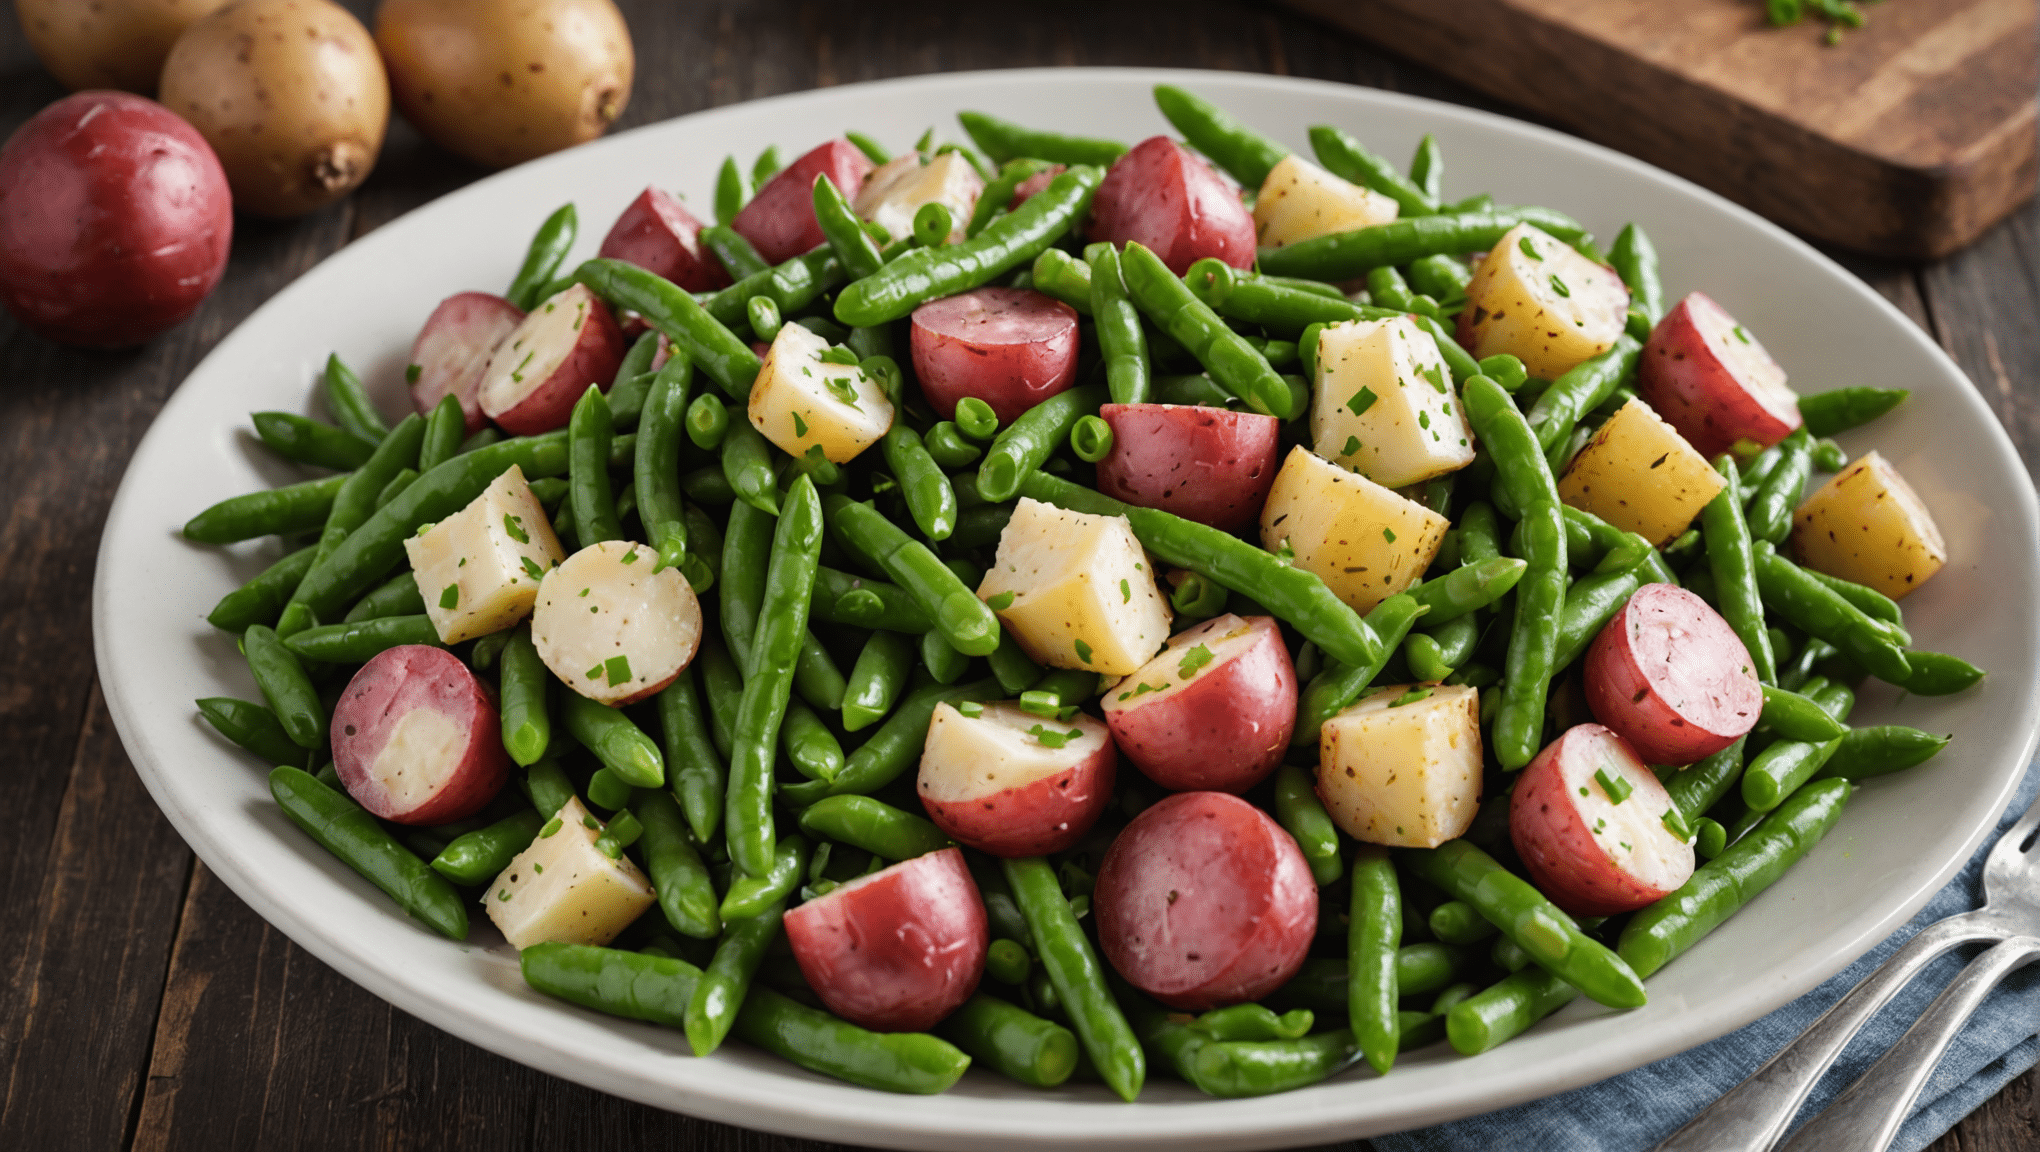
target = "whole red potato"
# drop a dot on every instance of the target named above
(115, 220)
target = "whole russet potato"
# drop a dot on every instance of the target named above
(107, 43)
(290, 93)
(503, 81)
(114, 220)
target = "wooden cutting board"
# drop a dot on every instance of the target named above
(1909, 138)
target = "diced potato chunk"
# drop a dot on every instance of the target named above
(1640, 475)
(1402, 767)
(614, 628)
(1001, 748)
(1867, 524)
(1300, 201)
(1540, 301)
(1076, 590)
(1365, 542)
(479, 568)
(802, 403)
(564, 889)
(896, 190)
(1384, 404)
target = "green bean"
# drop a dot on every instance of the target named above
(1077, 976)
(253, 727)
(1534, 638)
(782, 626)
(1469, 587)
(1065, 277)
(1867, 600)
(1373, 936)
(1779, 770)
(877, 679)
(445, 426)
(1243, 153)
(588, 436)
(1232, 363)
(1323, 984)
(543, 258)
(1818, 610)
(1236, 1068)
(730, 194)
(1003, 140)
(1015, 1043)
(357, 501)
(1795, 717)
(1720, 887)
(616, 740)
(726, 982)
(261, 599)
(809, 744)
(1879, 751)
(1272, 302)
(1296, 596)
(656, 466)
(960, 617)
(1579, 390)
(1007, 243)
(349, 402)
(722, 688)
(1635, 259)
(1387, 288)
(698, 772)
(751, 895)
(912, 1062)
(1455, 922)
(1331, 690)
(877, 827)
(1939, 674)
(734, 252)
(1427, 167)
(1255, 1022)
(1441, 277)
(362, 641)
(633, 985)
(344, 829)
(669, 308)
(841, 598)
(894, 747)
(283, 511)
(1505, 1009)
(1590, 603)
(948, 448)
(1303, 816)
(930, 499)
(998, 191)
(1733, 566)
(480, 856)
(1519, 910)
(845, 232)
(1350, 160)
(1091, 439)
(1770, 510)
(403, 479)
(285, 686)
(526, 681)
(793, 285)
(816, 679)
(1014, 669)
(307, 441)
(1030, 440)
(747, 464)
(1701, 785)
(1425, 657)
(1836, 411)
(1346, 255)
(1122, 340)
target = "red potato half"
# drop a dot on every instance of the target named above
(115, 220)
(451, 353)
(416, 738)
(658, 234)
(1213, 711)
(1671, 677)
(613, 629)
(1210, 465)
(1711, 380)
(1011, 783)
(1162, 196)
(780, 220)
(897, 950)
(1591, 854)
(548, 360)
(1034, 185)
(1204, 901)
(1010, 347)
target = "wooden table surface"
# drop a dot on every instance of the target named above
(143, 1005)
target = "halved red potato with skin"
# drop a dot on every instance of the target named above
(1010, 783)
(1211, 465)
(1166, 198)
(1671, 677)
(1204, 901)
(451, 354)
(547, 362)
(658, 233)
(1010, 347)
(780, 220)
(417, 739)
(1590, 852)
(1213, 711)
(614, 630)
(1710, 379)
(898, 950)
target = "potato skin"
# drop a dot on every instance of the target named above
(1036, 817)
(1161, 196)
(1634, 860)
(1010, 347)
(419, 677)
(780, 220)
(545, 404)
(1210, 465)
(898, 950)
(1691, 375)
(452, 351)
(1672, 678)
(657, 233)
(115, 220)
(500, 82)
(1203, 901)
(1222, 731)
(107, 45)
(290, 93)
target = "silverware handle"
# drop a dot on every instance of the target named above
(1867, 1115)
(1752, 1116)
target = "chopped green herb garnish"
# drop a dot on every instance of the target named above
(1675, 823)
(1410, 697)
(1040, 703)
(584, 591)
(1618, 788)
(1001, 602)
(1192, 661)
(412, 372)
(1741, 335)
(971, 708)
(630, 557)
(799, 425)
(1388, 534)
(513, 527)
(537, 869)
(450, 597)
(1436, 375)
(1125, 592)
(531, 568)
(1352, 446)
(1361, 401)
(842, 390)
(618, 670)
(837, 354)
(1559, 287)
(1083, 652)
(551, 826)
(1048, 739)
(1528, 248)
(502, 894)
(1424, 421)
(595, 673)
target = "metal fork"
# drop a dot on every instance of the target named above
(1752, 1116)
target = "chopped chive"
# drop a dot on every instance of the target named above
(618, 670)
(1193, 661)
(513, 527)
(531, 568)
(1559, 287)
(450, 597)
(1001, 602)
(1083, 652)
(1618, 788)
(971, 708)
(1410, 697)
(1352, 446)
(1361, 401)
(1125, 592)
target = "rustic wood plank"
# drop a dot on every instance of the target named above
(1909, 139)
